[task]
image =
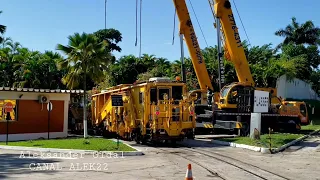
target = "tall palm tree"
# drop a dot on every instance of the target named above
(2, 30)
(305, 33)
(86, 56)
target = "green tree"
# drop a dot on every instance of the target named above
(112, 36)
(86, 56)
(305, 33)
(2, 30)
(6, 41)
(161, 68)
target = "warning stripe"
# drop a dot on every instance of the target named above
(207, 125)
(248, 114)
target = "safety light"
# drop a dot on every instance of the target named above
(191, 110)
(157, 110)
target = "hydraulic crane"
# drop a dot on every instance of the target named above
(237, 97)
(186, 29)
(234, 101)
(233, 44)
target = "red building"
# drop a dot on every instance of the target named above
(26, 112)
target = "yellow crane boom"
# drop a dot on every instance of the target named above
(233, 42)
(186, 28)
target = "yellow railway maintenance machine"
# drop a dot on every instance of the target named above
(155, 110)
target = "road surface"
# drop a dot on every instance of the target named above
(209, 162)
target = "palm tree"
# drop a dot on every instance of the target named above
(86, 56)
(2, 30)
(6, 42)
(14, 46)
(305, 33)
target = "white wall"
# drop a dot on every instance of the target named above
(295, 88)
(34, 96)
(31, 136)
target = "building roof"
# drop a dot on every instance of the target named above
(78, 91)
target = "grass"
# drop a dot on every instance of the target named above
(98, 144)
(277, 140)
(310, 127)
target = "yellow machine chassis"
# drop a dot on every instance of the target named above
(139, 118)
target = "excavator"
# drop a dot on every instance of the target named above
(231, 107)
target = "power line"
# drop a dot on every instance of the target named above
(174, 25)
(198, 23)
(136, 23)
(241, 22)
(140, 28)
(105, 14)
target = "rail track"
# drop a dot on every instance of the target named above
(230, 164)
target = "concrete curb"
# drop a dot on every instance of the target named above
(262, 149)
(294, 142)
(73, 151)
(224, 143)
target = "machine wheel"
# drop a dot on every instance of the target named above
(137, 136)
(143, 140)
(292, 126)
(190, 134)
(173, 143)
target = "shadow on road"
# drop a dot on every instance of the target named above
(186, 143)
(304, 144)
(12, 164)
(305, 132)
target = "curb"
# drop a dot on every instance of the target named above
(73, 151)
(115, 140)
(294, 142)
(224, 143)
(262, 149)
(76, 151)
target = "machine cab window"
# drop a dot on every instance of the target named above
(162, 92)
(153, 95)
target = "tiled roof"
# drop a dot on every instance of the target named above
(41, 90)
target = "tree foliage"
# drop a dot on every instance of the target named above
(21, 67)
(112, 36)
(296, 33)
(92, 53)
(2, 30)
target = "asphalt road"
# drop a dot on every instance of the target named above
(160, 163)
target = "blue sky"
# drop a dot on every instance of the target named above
(42, 24)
